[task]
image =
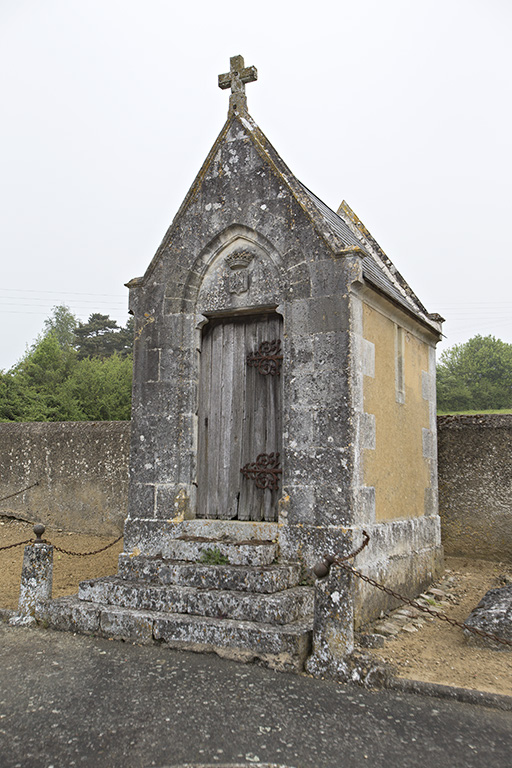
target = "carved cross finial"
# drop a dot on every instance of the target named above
(236, 79)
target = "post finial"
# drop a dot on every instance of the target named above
(236, 79)
(39, 530)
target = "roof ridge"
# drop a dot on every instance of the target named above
(301, 194)
(374, 246)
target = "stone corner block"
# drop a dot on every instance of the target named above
(366, 505)
(368, 358)
(368, 439)
(431, 501)
(429, 444)
(426, 385)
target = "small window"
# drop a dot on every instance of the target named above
(399, 364)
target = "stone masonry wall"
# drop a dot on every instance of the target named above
(475, 485)
(81, 468)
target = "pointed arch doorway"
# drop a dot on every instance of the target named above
(240, 418)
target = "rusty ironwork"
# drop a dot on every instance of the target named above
(18, 544)
(39, 530)
(425, 609)
(322, 569)
(267, 358)
(86, 554)
(264, 471)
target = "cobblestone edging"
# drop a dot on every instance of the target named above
(439, 597)
(408, 619)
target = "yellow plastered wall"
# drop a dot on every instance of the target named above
(396, 468)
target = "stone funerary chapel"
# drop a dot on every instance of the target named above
(283, 402)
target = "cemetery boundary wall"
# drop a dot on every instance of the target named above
(81, 469)
(475, 485)
(82, 473)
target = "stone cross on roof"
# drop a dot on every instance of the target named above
(236, 79)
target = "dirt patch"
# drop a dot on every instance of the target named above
(68, 571)
(429, 650)
(433, 651)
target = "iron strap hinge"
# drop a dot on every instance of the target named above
(264, 471)
(267, 358)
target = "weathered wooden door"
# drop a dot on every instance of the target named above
(240, 418)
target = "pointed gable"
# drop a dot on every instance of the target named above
(213, 185)
(341, 232)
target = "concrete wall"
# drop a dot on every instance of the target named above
(82, 469)
(475, 485)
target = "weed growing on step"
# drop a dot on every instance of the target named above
(213, 557)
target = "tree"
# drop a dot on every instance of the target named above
(62, 323)
(124, 338)
(52, 383)
(15, 401)
(39, 378)
(95, 338)
(101, 389)
(101, 337)
(476, 375)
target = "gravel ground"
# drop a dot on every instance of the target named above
(432, 651)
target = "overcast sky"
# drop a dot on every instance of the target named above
(109, 108)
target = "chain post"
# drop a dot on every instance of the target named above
(321, 571)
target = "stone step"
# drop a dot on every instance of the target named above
(196, 548)
(144, 531)
(235, 530)
(283, 647)
(278, 608)
(243, 578)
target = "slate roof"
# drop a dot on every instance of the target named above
(374, 272)
(346, 229)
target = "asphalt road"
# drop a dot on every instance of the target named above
(69, 700)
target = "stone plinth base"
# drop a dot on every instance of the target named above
(333, 628)
(36, 579)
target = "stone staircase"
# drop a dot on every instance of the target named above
(248, 608)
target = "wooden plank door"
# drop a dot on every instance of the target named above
(239, 418)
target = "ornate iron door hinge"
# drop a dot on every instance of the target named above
(264, 471)
(267, 358)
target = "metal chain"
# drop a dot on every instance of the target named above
(414, 604)
(18, 544)
(18, 492)
(366, 541)
(85, 554)
(65, 551)
(322, 569)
